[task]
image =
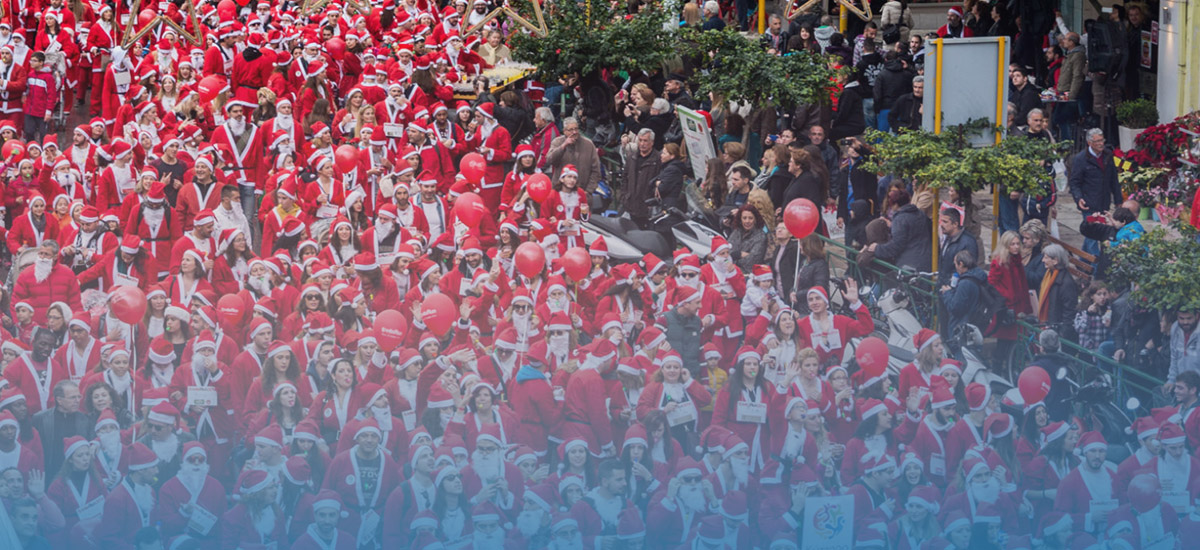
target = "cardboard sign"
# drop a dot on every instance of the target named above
(202, 396)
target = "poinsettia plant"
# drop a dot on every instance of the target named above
(1160, 145)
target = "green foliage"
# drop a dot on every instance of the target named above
(737, 68)
(582, 40)
(1139, 113)
(1161, 268)
(1019, 163)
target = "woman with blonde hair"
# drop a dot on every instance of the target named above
(1008, 276)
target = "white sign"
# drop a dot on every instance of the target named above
(697, 136)
(828, 523)
(202, 396)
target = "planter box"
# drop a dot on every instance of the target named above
(1127, 135)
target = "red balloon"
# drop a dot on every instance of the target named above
(530, 259)
(336, 48)
(577, 262)
(146, 17)
(390, 327)
(128, 303)
(232, 308)
(438, 313)
(801, 217)
(1144, 492)
(227, 8)
(1034, 384)
(472, 166)
(539, 187)
(12, 150)
(872, 355)
(469, 208)
(209, 87)
(346, 158)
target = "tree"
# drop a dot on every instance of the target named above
(586, 37)
(1160, 268)
(740, 69)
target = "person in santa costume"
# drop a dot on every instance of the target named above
(1148, 520)
(256, 521)
(791, 443)
(360, 474)
(35, 374)
(929, 442)
(1087, 491)
(81, 351)
(158, 227)
(125, 265)
(201, 190)
(1146, 430)
(78, 490)
(535, 402)
(969, 431)
(1178, 472)
(586, 410)
(741, 406)
(129, 506)
(32, 228)
(213, 424)
(676, 512)
(828, 333)
(490, 478)
(13, 454)
(323, 533)
(83, 246)
(192, 502)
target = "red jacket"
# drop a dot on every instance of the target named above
(60, 286)
(41, 93)
(533, 402)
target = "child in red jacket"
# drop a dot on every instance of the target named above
(41, 94)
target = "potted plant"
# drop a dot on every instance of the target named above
(1133, 117)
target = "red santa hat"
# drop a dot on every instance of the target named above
(270, 435)
(7, 419)
(1091, 440)
(194, 448)
(955, 10)
(875, 462)
(141, 457)
(747, 352)
(439, 398)
(924, 338)
(870, 407)
(163, 413)
(978, 396)
(253, 481)
(306, 430)
(1052, 524)
(997, 425)
(1169, 434)
(161, 352)
(10, 395)
(73, 444)
(734, 506)
(733, 444)
(1054, 431)
(106, 418)
(327, 499)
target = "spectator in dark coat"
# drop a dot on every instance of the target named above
(1023, 94)
(849, 120)
(954, 240)
(894, 81)
(748, 239)
(1057, 292)
(658, 119)
(641, 167)
(906, 111)
(669, 182)
(854, 185)
(962, 297)
(712, 16)
(1094, 182)
(805, 182)
(786, 261)
(515, 115)
(775, 39)
(813, 272)
(911, 242)
(61, 421)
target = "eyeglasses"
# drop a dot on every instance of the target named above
(689, 275)
(453, 477)
(566, 533)
(521, 308)
(691, 479)
(312, 297)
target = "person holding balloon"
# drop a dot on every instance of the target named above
(515, 193)
(567, 207)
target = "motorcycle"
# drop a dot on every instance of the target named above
(671, 229)
(1093, 402)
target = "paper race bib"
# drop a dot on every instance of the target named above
(754, 413)
(393, 130)
(1179, 500)
(1102, 506)
(366, 530)
(937, 464)
(684, 413)
(121, 279)
(202, 396)
(202, 520)
(410, 420)
(327, 211)
(91, 510)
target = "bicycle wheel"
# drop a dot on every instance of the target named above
(1019, 357)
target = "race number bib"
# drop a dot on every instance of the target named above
(684, 413)
(754, 413)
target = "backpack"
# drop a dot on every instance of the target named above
(992, 305)
(890, 34)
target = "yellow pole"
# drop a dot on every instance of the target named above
(1001, 69)
(762, 16)
(937, 129)
(843, 18)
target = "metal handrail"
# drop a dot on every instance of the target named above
(1125, 377)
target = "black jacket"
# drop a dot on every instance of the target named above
(684, 335)
(863, 183)
(806, 186)
(638, 186)
(893, 82)
(905, 113)
(777, 184)
(1026, 99)
(670, 184)
(1063, 298)
(911, 242)
(54, 426)
(1095, 180)
(658, 123)
(849, 120)
(785, 263)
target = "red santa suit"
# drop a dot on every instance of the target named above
(78, 504)
(731, 280)
(247, 163)
(75, 362)
(12, 95)
(208, 497)
(123, 514)
(25, 233)
(159, 236)
(1082, 491)
(492, 137)
(829, 343)
(565, 205)
(37, 383)
(534, 403)
(345, 477)
(753, 428)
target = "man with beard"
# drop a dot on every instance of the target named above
(82, 153)
(111, 459)
(1178, 472)
(268, 451)
(130, 505)
(375, 284)
(242, 144)
(323, 532)
(929, 443)
(191, 502)
(534, 401)
(69, 180)
(1087, 492)
(458, 281)
(117, 180)
(158, 226)
(214, 425)
(165, 439)
(449, 134)
(599, 511)
(34, 374)
(968, 432)
(983, 488)
(433, 206)
(1146, 430)
(684, 323)
(87, 243)
(435, 157)
(586, 409)
(498, 367)
(870, 489)
(383, 238)
(13, 74)
(672, 516)
(200, 239)
(489, 479)
(359, 475)
(493, 142)
(487, 533)
(393, 114)
(219, 58)
(531, 527)
(46, 282)
(734, 472)
(565, 533)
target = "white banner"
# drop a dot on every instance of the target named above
(697, 136)
(829, 523)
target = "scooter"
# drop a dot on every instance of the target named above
(672, 229)
(1093, 402)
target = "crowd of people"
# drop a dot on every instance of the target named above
(692, 401)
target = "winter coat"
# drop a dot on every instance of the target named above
(893, 82)
(963, 298)
(911, 242)
(1009, 280)
(753, 241)
(640, 172)
(1070, 76)
(849, 119)
(670, 184)
(1094, 179)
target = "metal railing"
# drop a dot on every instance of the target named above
(1127, 380)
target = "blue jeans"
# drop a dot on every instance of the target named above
(1010, 218)
(868, 106)
(881, 120)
